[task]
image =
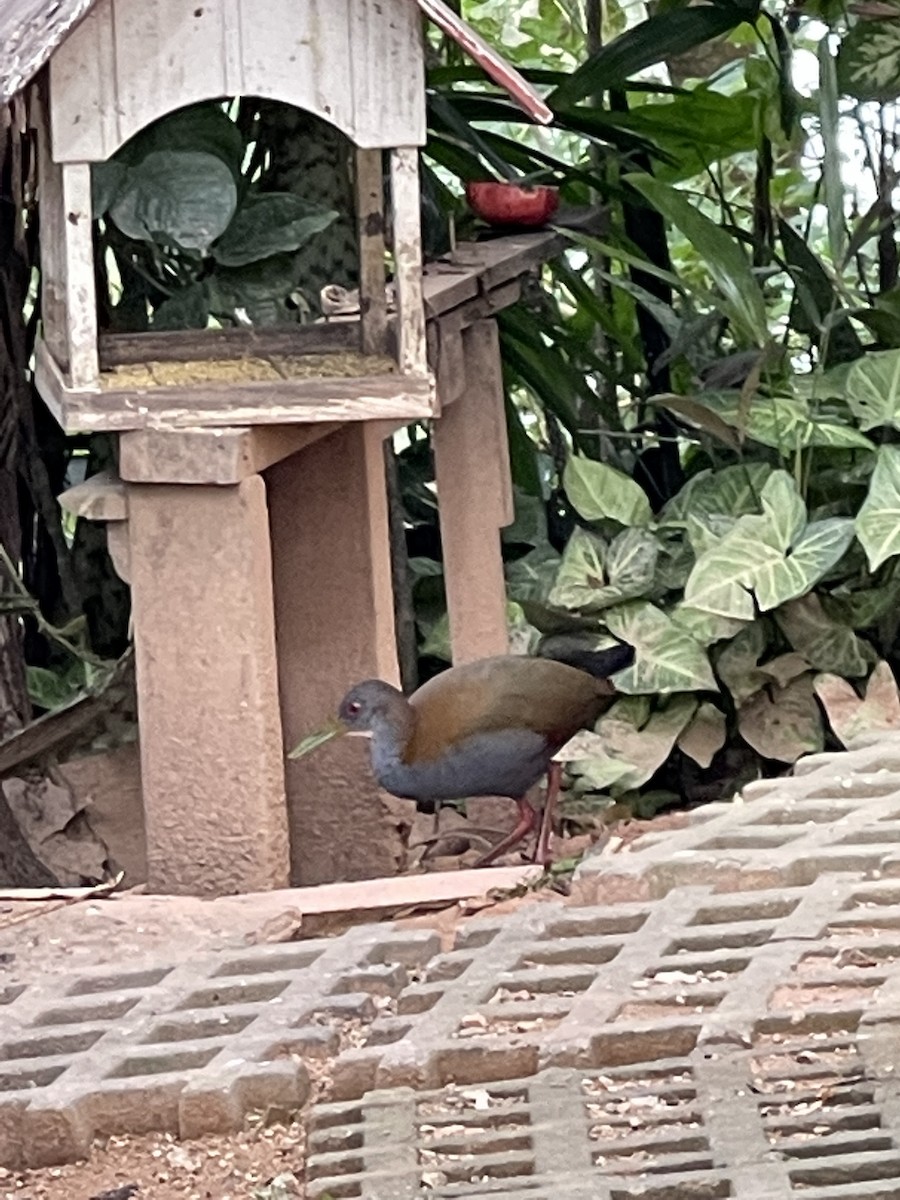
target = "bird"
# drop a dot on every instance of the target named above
(485, 728)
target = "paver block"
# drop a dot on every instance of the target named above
(188, 1048)
(838, 812)
(676, 1040)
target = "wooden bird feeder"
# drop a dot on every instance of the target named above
(249, 515)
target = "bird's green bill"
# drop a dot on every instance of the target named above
(314, 740)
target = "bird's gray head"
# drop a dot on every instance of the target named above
(368, 704)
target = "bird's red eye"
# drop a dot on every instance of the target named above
(353, 708)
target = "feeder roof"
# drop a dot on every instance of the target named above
(30, 30)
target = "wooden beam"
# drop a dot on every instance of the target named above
(211, 456)
(470, 448)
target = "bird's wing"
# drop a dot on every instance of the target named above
(510, 692)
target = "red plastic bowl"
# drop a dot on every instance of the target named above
(512, 203)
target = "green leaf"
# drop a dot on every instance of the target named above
(873, 389)
(868, 64)
(598, 491)
(261, 289)
(663, 36)
(783, 723)
(184, 309)
(317, 738)
(202, 128)
(695, 129)
(667, 658)
(824, 643)
(106, 179)
(52, 689)
(878, 520)
(270, 224)
(861, 608)
(176, 196)
(782, 422)
(725, 259)
(819, 547)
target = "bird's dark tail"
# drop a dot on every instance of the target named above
(577, 650)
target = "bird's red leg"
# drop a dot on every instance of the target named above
(542, 849)
(526, 822)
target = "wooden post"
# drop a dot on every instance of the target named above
(69, 303)
(211, 751)
(412, 355)
(335, 627)
(370, 226)
(475, 500)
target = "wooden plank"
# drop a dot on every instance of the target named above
(283, 403)
(370, 232)
(386, 63)
(83, 102)
(411, 351)
(495, 65)
(206, 345)
(300, 53)
(357, 65)
(210, 456)
(403, 891)
(445, 286)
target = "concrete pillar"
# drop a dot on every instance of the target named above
(335, 620)
(475, 499)
(211, 749)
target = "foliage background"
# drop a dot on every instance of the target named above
(703, 393)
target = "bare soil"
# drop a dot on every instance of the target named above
(157, 1167)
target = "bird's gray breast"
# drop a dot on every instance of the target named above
(503, 762)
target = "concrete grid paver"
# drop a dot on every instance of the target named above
(718, 1017)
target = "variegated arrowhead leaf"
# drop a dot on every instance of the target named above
(826, 644)
(783, 723)
(878, 520)
(767, 558)
(730, 492)
(594, 576)
(667, 659)
(704, 737)
(849, 714)
(873, 386)
(633, 746)
(868, 64)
